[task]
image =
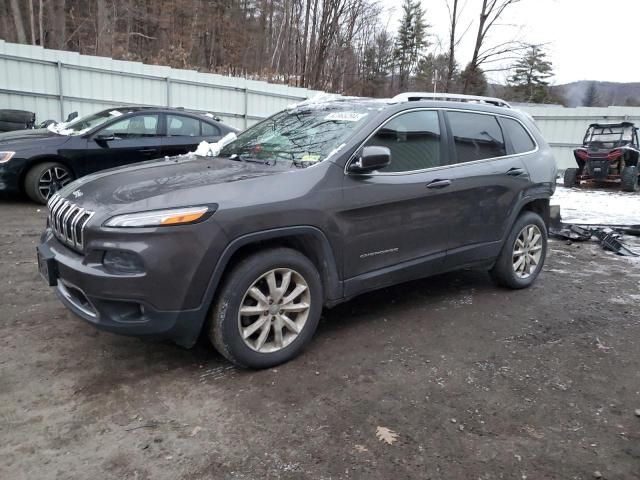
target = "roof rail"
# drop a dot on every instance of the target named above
(453, 97)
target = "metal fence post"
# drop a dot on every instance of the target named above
(168, 91)
(60, 90)
(246, 107)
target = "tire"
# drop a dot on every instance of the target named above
(504, 270)
(12, 126)
(35, 178)
(629, 179)
(226, 321)
(571, 177)
(17, 116)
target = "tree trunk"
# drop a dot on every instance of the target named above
(452, 46)
(32, 28)
(16, 14)
(56, 20)
(104, 30)
(40, 22)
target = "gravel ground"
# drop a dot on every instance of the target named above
(477, 382)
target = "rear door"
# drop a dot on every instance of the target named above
(128, 140)
(487, 181)
(396, 219)
(184, 133)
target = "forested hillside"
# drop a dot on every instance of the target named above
(343, 46)
(327, 44)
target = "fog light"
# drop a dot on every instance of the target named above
(119, 261)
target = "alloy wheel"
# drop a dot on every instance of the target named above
(527, 251)
(274, 310)
(52, 180)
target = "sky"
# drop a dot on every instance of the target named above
(584, 39)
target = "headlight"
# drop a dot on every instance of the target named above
(158, 218)
(6, 156)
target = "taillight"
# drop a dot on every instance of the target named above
(582, 154)
(614, 154)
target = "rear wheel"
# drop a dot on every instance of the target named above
(44, 179)
(523, 253)
(571, 177)
(629, 179)
(268, 309)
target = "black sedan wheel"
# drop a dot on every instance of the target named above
(45, 179)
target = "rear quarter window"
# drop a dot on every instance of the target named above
(521, 141)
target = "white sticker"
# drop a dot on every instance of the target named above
(345, 116)
(115, 113)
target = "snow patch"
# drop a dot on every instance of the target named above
(206, 149)
(597, 206)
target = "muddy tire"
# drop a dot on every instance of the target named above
(268, 309)
(523, 253)
(571, 177)
(629, 179)
(44, 179)
(17, 116)
(12, 126)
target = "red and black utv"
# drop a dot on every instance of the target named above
(609, 154)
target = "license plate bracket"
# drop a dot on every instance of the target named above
(48, 269)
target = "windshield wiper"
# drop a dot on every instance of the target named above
(244, 158)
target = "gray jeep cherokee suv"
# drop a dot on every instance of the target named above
(308, 208)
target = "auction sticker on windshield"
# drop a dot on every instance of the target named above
(346, 116)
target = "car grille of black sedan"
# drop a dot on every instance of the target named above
(67, 220)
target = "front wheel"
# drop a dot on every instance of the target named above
(268, 309)
(629, 179)
(523, 253)
(571, 177)
(44, 179)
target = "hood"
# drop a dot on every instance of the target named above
(161, 183)
(26, 138)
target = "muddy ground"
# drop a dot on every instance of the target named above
(478, 383)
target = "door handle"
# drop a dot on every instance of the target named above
(516, 172)
(439, 184)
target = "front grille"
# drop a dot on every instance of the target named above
(67, 220)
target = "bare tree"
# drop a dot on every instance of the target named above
(490, 12)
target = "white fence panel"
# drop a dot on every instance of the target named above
(564, 128)
(54, 83)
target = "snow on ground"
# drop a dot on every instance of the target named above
(592, 206)
(601, 207)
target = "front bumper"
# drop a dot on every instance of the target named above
(11, 174)
(123, 304)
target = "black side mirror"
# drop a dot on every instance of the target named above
(71, 116)
(371, 158)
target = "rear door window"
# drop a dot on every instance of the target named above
(520, 139)
(209, 130)
(180, 126)
(476, 136)
(413, 139)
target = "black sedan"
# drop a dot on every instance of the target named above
(39, 162)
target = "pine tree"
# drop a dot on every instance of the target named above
(529, 81)
(411, 40)
(592, 96)
(432, 66)
(474, 80)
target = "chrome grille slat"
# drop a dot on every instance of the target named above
(74, 223)
(67, 221)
